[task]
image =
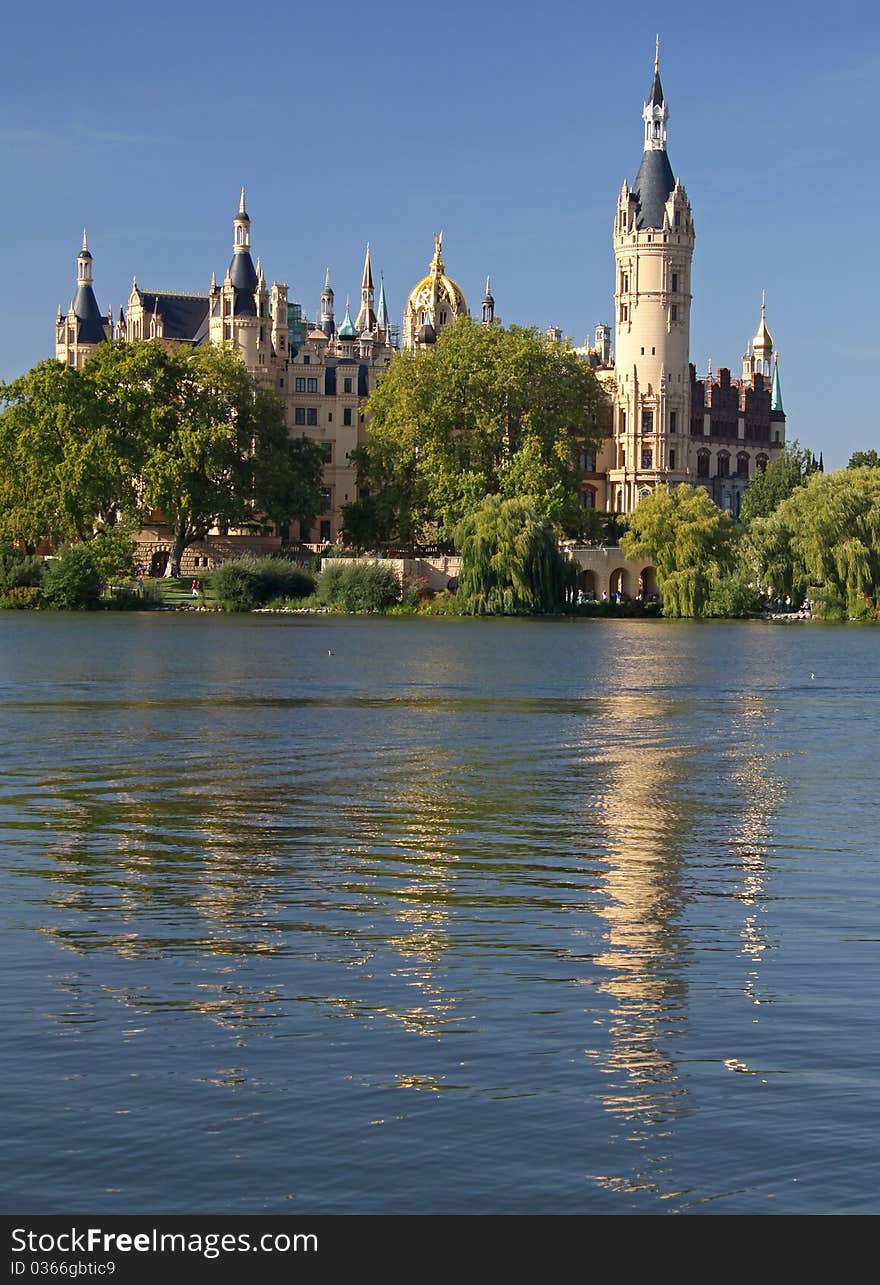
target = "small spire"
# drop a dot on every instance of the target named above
(328, 289)
(213, 281)
(657, 55)
(241, 204)
(85, 244)
(382, 309)
(367, 282)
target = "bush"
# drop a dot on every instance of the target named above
(73, 581)
(125, 598)
(732, 596)
(18, 570)
(358, 586)
(21, 597)
(244, 583)
(444, 603)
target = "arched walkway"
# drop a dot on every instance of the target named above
(648, 583)
(588, 584)
(618, 584)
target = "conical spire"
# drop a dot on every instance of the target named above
(382, 309)
(328, 289)
(84, 252)
(367, 280)
(347, 329)
(242, 209)
(366, 318)
(776, 395)
(656, 96)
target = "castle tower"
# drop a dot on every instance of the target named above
(366, 318)
(653, 249)
(328, 324)
(488, 305)
(383, 320)
(78, 334)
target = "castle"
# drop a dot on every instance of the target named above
(666, 424)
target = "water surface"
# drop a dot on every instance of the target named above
(465, 916)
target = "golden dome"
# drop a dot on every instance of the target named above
(436, 289)
(763, 340)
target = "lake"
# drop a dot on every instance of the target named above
(311, 914)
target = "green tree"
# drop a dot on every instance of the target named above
(824, 540)
(864, 459)
(690, 541)
(790, 469)
(486, 410)
(73, 581)
(219, 453)
(511, 564)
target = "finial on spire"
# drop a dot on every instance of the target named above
(327, 285)
(657, 54)
(85, 244)
(763, 303)
(241, 204)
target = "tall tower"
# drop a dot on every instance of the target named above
(366, 318)
(328, 324)
(78, 334)
(488, 305)
(653, 249)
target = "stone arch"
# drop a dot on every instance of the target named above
(742, 464)
(588, 583)
(761, 462)
(648, 582)
(618, 583)
(704, 459)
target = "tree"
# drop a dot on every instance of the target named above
(690, 541)
(73, 581)
(511, 564)
(864, 459)
(790, 469)
(487, 410)
(824, 540)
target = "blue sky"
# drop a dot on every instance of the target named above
(510, 126)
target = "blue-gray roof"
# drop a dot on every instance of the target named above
(243, 276)
(652, 186)
(91, 323)
(183, 316)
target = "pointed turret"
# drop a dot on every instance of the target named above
(85, 306)
(328, 325)
(655, 180)
(366, 318)
(348, 330)
(242, 273)
(776, 395)
(382, 318)
(488, 304)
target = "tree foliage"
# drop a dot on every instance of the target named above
(690, 541)
(511, 563)
(488, 410)
(141, 428)
(824, 540)
(783, 475)
(73, 580)
(357, 586)
(864, 459)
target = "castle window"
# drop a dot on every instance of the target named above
(702, 464)
(312, 385)
(761, 462)
(227, 330)
(312, 415)
(672, 459)
(742, 465)
(673, 421)
(327, 452)
(306, 361)
(330, 418)
(588, 498)
(653, 352)
(300, 384)
(673, 312)
(346, 417)
(346, 385)
(675, 283)
(299, 415)
(622, 421)
(677, 220)
(281, 382)
(442, 318)
(647, 458)
(723, 464)
(647, 422)
(326, 499)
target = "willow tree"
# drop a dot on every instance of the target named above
(690, 541)
(511, 563)
(487, 410)
(825, 540)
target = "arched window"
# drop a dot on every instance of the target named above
(723, 464)
(761, 462)
(742, 465)
(702, 463)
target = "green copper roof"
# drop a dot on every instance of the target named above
(347, 330)
(776, 395)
